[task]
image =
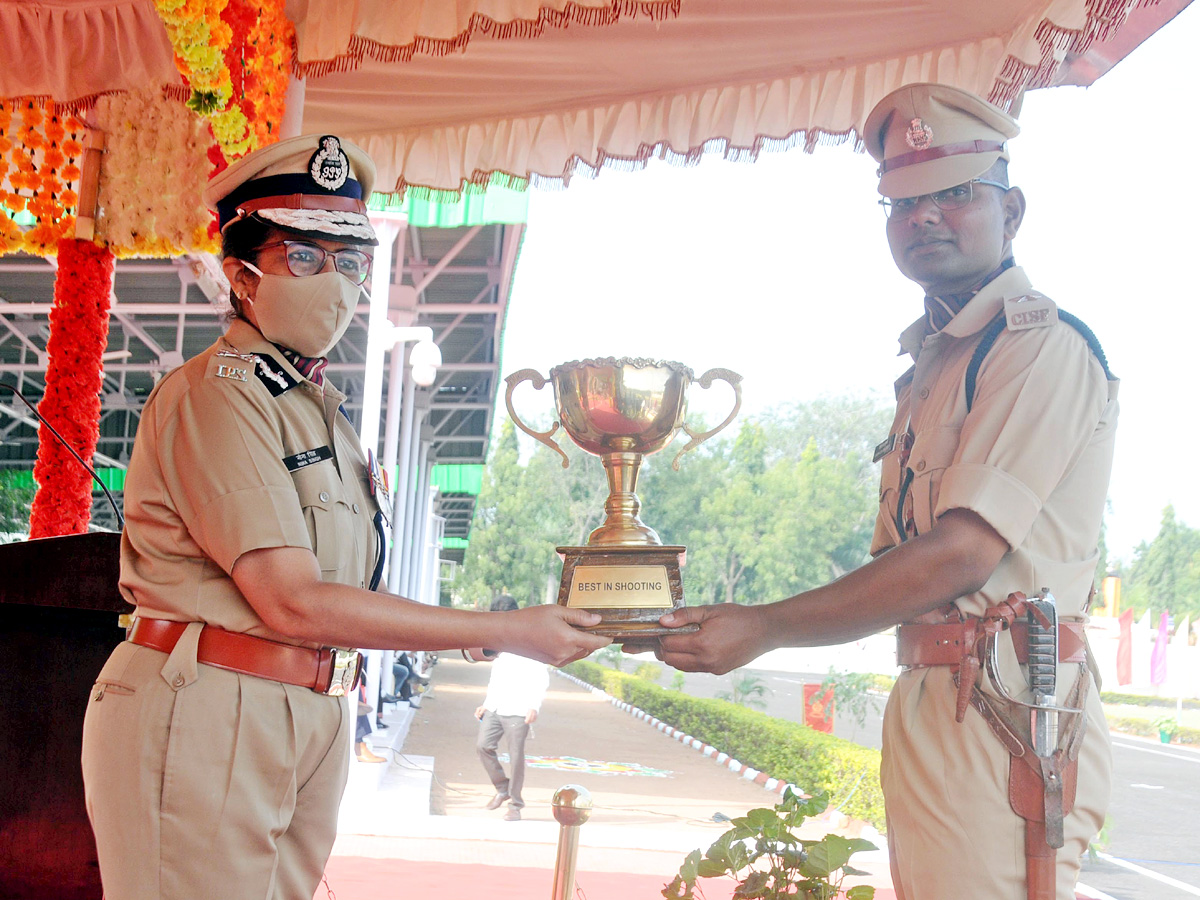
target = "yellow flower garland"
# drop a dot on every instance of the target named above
(200, 39)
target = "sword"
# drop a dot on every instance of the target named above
(1042, 621)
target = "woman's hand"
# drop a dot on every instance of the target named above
(284, 586)
(546, 633)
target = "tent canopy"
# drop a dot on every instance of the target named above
(446, 95)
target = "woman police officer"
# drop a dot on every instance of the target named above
(216, 739)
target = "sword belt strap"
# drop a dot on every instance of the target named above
(924, 644)
(326, 670)
(1041, 790)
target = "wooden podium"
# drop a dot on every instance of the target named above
(59, 605)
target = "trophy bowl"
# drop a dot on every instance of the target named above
(623, 405)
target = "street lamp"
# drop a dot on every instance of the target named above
(424, 358)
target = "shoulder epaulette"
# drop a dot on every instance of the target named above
(997, 326)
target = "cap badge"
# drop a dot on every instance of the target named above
(329, 166)
(919, 135)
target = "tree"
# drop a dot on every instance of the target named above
(523, 512)
(15, 501)
(1166, 572)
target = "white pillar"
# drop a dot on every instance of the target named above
(400, 502)
(292, 124)
(378, 329)
(416, 522)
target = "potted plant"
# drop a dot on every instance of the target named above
(768, 861)
(1168, 727)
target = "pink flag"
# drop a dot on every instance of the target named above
(1125, 649)
(1158, 656)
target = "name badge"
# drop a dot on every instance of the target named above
(307, 458)
(883, 448)
(1034, 311)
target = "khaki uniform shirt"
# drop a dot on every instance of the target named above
(237, 451)
(1032, 458)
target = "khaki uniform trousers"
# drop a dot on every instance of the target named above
(204, 783)
(951, 831)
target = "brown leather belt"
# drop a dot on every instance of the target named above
(326, 671)
(922, 644)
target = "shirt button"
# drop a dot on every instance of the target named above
(355, 508)
(924, 393)
(324, 496)
(177, 681)
(920, 465)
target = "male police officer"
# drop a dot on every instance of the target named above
(993, 482)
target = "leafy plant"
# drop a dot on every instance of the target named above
(748, 690)
(678, 681)
(1100, 844)
(1167, 724)
(768, 861)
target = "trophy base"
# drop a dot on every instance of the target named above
(630, 587)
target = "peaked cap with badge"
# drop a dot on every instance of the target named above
(314, 185)
(929, 137)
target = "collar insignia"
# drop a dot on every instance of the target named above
(329, 166)
(919, 135)
(273, 376)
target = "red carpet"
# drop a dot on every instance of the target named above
(361, 878)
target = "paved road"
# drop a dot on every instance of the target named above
(1154, 817)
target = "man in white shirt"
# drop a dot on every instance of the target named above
(515, 692)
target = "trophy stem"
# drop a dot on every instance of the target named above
(622, 527)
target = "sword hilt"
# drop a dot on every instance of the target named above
(1042, 623)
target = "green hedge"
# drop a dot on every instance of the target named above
(785, 750)
(1146, 728)
(1114, 699)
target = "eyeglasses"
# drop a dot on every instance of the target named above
(305, 258)
(951, 198)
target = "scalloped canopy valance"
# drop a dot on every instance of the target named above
(449, 94)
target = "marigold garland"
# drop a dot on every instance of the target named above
(78, 335)
(236, 56)
(39, 174)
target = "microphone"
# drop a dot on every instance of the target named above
(71, 450)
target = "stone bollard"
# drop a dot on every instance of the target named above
(572, 807)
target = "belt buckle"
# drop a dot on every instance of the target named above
(347, 665)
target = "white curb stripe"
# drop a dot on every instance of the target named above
(1148, 873)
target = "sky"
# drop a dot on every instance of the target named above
(780, 270)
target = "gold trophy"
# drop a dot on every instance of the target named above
(621, 410)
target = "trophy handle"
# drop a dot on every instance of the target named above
(705, 381)
(535, 377)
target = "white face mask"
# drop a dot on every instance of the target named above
(309, 314)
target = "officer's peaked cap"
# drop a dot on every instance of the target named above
(929, 137)
(313, 184)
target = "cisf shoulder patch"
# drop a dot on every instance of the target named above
(1031, 311)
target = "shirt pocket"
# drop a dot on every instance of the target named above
(890, 476)
(932, 453)
(328, 517)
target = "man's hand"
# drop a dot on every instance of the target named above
(479, 711)
(730, 636)
(531, 717)
(546, 633)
